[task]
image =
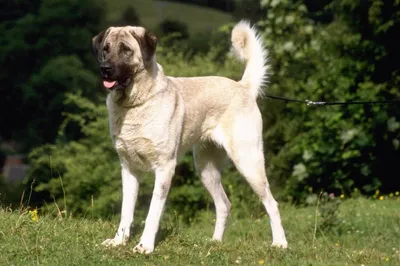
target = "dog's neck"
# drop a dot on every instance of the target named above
(144, 86)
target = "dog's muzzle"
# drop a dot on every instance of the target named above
(106, 70)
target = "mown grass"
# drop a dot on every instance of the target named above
(369, 234)
(151, 13)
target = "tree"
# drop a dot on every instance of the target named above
(46, 51)
(15, 9)
(128, 17)
(248, 9)
(332, 148)
(169, 26)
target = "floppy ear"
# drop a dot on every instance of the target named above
(96, 42)
(148, 43)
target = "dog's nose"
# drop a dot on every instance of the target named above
(105, 68)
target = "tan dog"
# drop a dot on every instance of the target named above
(155, 118)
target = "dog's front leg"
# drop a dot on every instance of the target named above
(130, 189)
(162, 185)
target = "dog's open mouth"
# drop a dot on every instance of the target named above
(110, 84)
(113, 84)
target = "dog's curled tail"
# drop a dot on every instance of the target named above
(248, 46)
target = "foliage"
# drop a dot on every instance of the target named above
(11, 193)
(329, 213)
(81, 175)
(372, 230)
(169, 26)
(248, 9)
(128, 17)
(199, 19)
(331, 148)
(224, 5)
(47, 37)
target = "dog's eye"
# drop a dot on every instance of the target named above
(107, 47)
(125, 49)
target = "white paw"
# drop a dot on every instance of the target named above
(113, 242)
(280, 244)
(143, 249)
(216, 239)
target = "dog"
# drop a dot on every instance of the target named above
(155, 118)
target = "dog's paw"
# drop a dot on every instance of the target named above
(142, 249)
(215, 239)
(113, 242)
(280, 244)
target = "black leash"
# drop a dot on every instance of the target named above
(308, 102)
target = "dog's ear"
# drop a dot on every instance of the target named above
(148, 44)
(96, 42)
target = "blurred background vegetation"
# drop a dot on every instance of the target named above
(54, 118)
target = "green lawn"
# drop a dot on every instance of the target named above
(151, 13)
(370, 235)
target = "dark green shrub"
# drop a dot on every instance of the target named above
(169, 26)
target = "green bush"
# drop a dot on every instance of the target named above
(129, 17)
(11, 193)
(45, 51)
(336, 148)
(169, 26)
(81, 176)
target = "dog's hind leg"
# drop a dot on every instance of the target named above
(209, 160)
(242, 139)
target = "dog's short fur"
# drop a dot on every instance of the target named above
(155, 118)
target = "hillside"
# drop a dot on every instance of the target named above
(151, 13)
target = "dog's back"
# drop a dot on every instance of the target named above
(206, 99)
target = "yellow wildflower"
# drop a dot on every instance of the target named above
(397, 193)
(34, 215)
(342, 196)
(381, 198)
(391, 195)
(337, 244)
(387, 259)
(261, 261)
(377, 192)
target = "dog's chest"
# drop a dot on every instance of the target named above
(130, 139)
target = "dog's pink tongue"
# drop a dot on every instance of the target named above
(109, 85)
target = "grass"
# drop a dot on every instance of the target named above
(151, 13)
(369, 234)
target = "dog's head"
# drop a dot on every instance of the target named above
(122, 53)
